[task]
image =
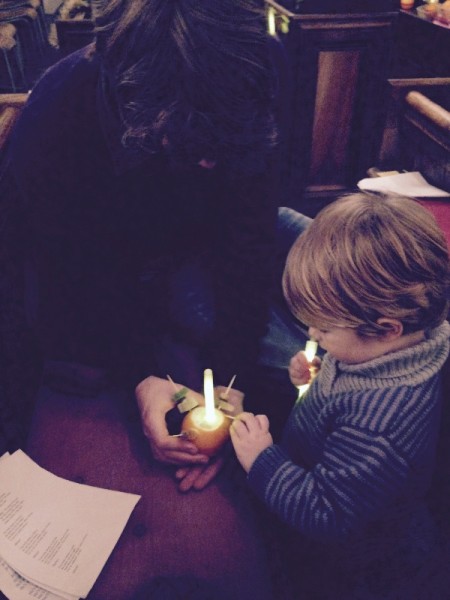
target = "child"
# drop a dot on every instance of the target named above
(370, 278)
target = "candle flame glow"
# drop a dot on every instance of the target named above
(271, 22)
(310, 352)
(208, 389)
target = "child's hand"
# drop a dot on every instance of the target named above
(301, 371)
(250, 436)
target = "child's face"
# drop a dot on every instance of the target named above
(344, 344)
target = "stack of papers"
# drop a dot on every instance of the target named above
(407, 184)
(55, 535)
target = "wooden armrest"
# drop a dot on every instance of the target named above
(438, 115)
(419, 82)
(8, 117)
(13, 99)
(10, 108)
(422, 102)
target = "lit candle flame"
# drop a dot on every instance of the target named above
(310, 352)
(208, 388)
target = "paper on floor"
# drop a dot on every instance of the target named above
(55, 533)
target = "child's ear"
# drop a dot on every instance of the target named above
(393, 328)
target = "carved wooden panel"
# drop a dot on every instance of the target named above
(339, 68)
(333, 109)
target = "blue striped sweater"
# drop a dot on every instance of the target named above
(361, 442)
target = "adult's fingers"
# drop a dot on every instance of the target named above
(176, 451)
(198, 477)
(263, 422)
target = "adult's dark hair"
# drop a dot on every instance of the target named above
(192, 78)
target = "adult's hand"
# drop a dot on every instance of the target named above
(154, 397)
(197, 477)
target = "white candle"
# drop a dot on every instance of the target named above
(310, 349)
(208, 390)
(310, 352)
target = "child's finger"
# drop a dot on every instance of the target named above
(238, 429)
(245, 417)
(298, 372)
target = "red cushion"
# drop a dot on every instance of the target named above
(441, 212)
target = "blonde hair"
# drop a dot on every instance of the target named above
(365, 257)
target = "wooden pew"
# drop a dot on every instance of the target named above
(417, 131)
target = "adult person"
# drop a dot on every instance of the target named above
(140, 164)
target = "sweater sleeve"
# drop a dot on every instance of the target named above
(20, 365)
(359, 474)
